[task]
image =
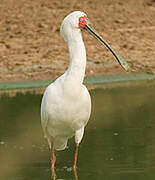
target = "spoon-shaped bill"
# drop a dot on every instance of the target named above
(121, 61)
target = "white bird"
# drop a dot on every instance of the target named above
(66, 103)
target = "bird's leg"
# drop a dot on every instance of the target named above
(53, 157)
(53, 160)
(75, 156)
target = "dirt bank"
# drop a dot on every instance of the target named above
(31, 47)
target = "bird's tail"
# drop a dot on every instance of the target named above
(60, 143)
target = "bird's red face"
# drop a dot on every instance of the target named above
(83, 20)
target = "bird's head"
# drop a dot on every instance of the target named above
(72, 24)
(75, 20)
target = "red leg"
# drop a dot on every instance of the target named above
(75, 156)
(53, 158)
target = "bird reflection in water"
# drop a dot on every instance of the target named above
(53, 174)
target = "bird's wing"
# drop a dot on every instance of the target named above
(44, 122)
(44, 119)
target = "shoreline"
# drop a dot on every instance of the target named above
(38, 86)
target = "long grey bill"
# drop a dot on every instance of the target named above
(121, 61)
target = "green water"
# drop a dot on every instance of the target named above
(119, 141)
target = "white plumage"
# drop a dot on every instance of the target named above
(66, 103)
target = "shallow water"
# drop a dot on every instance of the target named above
(119, 141)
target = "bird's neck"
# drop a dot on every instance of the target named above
(77, 52)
